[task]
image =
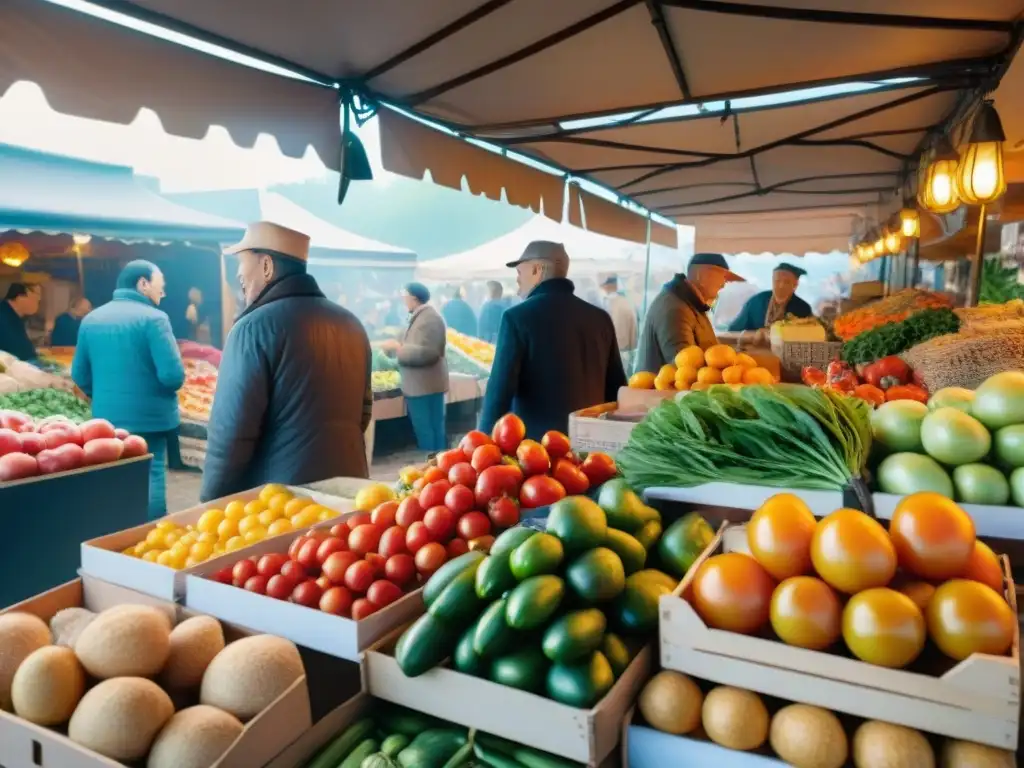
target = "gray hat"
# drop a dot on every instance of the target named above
(544, 250)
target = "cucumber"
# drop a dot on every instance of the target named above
(458, 603)
(433, 748)
(331, 755)
(534, 601)
(629, 550)
(648, 535)
(444, 575)
(582, 683)
(494, 576)
(356, 756)
(574, 635)
(493, 635)
(407, 722)
(425, 644)
(617, 653)
(511, 539)
(465, 659)
(494, 758)
(527, 756)
(394, 744)
(460, 758)
(525, 669)
(537, 555)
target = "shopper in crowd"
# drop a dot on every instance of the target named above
(678, 316)
(624, 318)
(197, 318)
(65, 327)
(293, 392)
(21, 301)
(458, 315)
(492, 311)
(423, 367)
(767, 307)
(128, 363)
(556, 353)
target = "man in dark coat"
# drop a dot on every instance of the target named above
(556, 353)
(293, 393)
(65, 327)
(764, 308)
(492, 311)
(20, 302)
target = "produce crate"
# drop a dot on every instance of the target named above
(102, 557)
(308, 627)
(632, 400)
(797, 354)
(977, 699)
(602, 428)
(990, 521)
(736, 503)
(585, 735)
(645, 747)
(25, 745)
(309, 743)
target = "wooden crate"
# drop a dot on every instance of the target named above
(977, 699)
(592, 430)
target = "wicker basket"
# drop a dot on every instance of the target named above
(795, 355)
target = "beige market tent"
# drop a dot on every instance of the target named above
(530, 75)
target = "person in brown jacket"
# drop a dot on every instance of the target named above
(677, 318)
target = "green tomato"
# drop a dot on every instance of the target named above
(980, 484)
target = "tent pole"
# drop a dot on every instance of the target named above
(647, 265)
(977, 263)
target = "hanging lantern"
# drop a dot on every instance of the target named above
(910, 222)
(938, 190)
(13, 254)
(980, 177)
(893, 242)
(879, 246)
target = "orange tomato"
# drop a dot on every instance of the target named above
(965, 617)
(882, 626)
(733, 592)
(852, 552)
(779, 536)
(983, 566)
(920, 592)
(933, 537)
(805, 612)
(433, 474)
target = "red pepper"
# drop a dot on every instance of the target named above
(888, 372)
(907, 392)
(846, 382)
(813, 377)
(871, 393)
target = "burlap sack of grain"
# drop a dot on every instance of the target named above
(973, 317)
(967, 358)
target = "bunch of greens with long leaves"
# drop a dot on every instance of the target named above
(784, 436)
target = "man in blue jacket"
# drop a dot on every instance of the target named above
(556, 353)
(492, 311)
(764, 308)
(128, 363)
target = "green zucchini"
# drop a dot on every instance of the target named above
(460, 758)
(444, 575)
(378, 760)
(407, 722)
(432, 748)
(494, 758)
(425, 644)
(394, 744)
(331, 755)
(458, 602)
(527, 756)
(356, 756)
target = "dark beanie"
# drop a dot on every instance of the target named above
(419, 292)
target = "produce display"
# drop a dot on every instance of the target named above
(114, 680)
(802, 735)
(891, 309)
(46, 403)
(56, 444)
(882, 381)
(385, 381)
(785, 436)
(964, 444)
(459, 362)
(218, 531)
(195, 398)
(191, 350)
(395, 737)
(846, 585)
(967, 358)
(892, 338)
(479, 350)
(695, 369)
(19, 376)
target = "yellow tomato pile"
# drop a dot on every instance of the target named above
(883, 592)
(480, 350)
(238, 525)
(695, 369)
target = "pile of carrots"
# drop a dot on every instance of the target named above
(892, 309)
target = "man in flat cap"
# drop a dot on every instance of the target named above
(293, 394)
(678, 316)
(556, 353)
(764, 308)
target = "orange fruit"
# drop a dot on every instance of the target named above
(720, 356)
(668, 371)
(733, 374)
(882, 626)
(966, 617)
(779, 536)
(698, 386)
(692, 357)
(758, 375)
(852, 552)
(708, 375)
(805, 612)
(983, 566)
(934, 538)
(733, 592)
(642, 380)
(686, 374)
(663, 382)
(742, 358)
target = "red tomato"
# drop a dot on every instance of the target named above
(257, 584)
(308, 593)
(433, 494)
(359, 576)
(409, 511)
(733, 592)
(359, 518)
(456, 547)
(280, 587)
(485, 456)
(472, 525)
(365, 538)
(416, 536)
(462, 474)
(392, 541)
(508, 433)
(340, 530)
(377, 561)
(501, 480)
(334, 567)
(599, 467)
(532, 457)
(473, 440)
(362, 608)
(242, 571)
(323, 582)
(440, 521)
(459, 499)
(539, 491)
(556, 444)
(966, 617)
(307, 555)
(570, 476)
(296, 545)
(384, 515)
(448, 459)
(430, 557)
(328, 547)
(382, 592)
(270, 564)
(223, 575)
(336, 600)
(504, 512)
(400, 569)
(433, 474)
(419, 484)
(293, 571)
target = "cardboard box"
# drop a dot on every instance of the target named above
(25, 745)
(977, 699)
(317, 737)
(102, 557)
(309, 627)
(602, 428)
(585, 735)
(648, 748)
(632, 400)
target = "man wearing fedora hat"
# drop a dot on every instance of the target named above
(293, 393)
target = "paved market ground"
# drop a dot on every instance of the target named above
(183, 487)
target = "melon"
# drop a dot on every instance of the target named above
(119, 718)
(194, 644)
(48, 686)
(250, 674)
(884, 745)
(808, 737)
(967, 754)
(125, 641)
(735, 718)
(68, 624)
(671, 702)
(196, 737)
(20, 635)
